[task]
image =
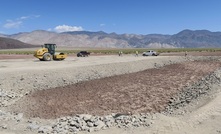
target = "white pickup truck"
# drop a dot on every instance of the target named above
(150, 53)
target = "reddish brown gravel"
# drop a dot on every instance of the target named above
(145, 91)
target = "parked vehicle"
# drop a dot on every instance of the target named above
(83, 54)
(150, 53)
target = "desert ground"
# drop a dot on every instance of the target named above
(166, 94)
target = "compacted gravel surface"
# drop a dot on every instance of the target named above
(99, 92)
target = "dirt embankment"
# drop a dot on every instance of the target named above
(142, 92)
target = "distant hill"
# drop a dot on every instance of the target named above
(198, 38)
(7, 43)
(183, 39)
(2, 35)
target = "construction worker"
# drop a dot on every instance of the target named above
(119, 53)
(136, 53)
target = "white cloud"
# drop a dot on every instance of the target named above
(23, 18)
(18, 22)
(28, 17)
(66, 28)
(12, 24)
(49, 29)
(102, 25)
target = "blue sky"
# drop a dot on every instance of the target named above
(119, 16)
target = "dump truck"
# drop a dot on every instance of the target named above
(47, 53)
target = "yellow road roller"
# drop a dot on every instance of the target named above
(47, 53)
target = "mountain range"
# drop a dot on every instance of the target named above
(183, 39)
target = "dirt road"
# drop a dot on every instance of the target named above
(32, 74)
(23, 65)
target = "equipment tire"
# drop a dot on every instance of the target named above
(47, 57)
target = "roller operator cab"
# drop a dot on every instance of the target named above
(47, 53)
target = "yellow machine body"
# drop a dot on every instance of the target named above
(40, 52)
(48, 53)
